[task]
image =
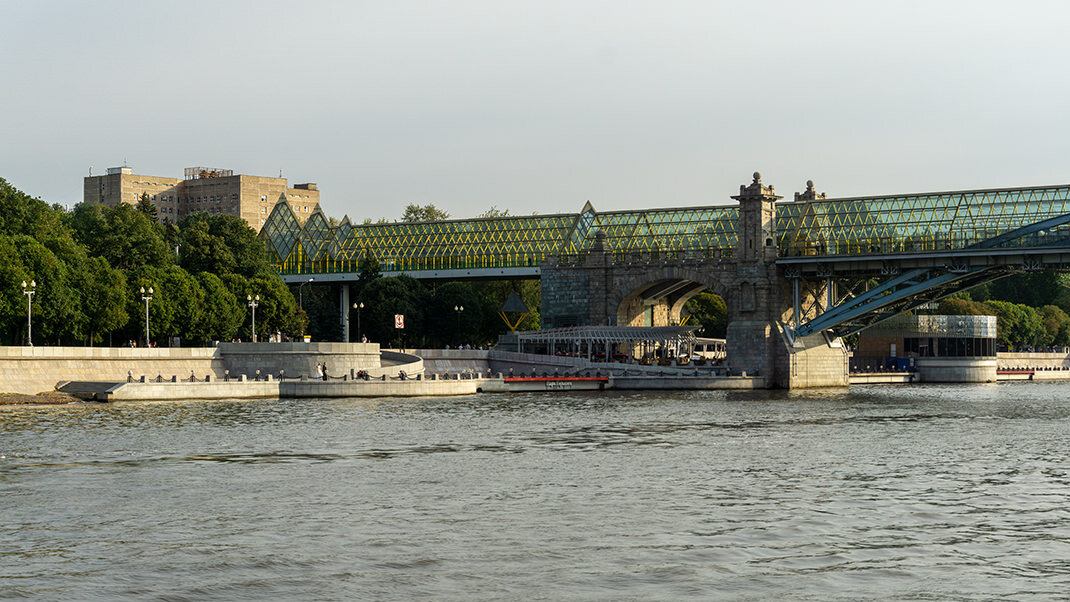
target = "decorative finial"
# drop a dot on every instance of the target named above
(757, 177)
(809, 184)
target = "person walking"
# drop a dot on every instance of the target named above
(319, 371)
(324, 370)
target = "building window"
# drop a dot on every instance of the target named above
(263, 210)
(263, 198)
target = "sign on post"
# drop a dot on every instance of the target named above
(399, 321)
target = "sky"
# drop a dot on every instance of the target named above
(539, 106)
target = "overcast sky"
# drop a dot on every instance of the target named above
(539, 106)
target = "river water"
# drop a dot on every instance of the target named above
(910, 492)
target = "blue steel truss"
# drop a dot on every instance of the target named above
(922, 285)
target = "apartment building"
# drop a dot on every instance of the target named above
(206, 189)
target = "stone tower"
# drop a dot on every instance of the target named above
(754, 338)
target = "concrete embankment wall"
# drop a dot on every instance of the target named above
(299, 358)
(454, 361)
(36, 369)
(1033, 361)
(295, 388)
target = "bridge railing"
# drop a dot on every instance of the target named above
(886, 245)
(295, 265)
(626, 257)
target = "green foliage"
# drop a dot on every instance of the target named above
(492, 296)
(1018, 325)
(494, 212)
(103, 298)
(957, 306)
(90, 264)
(223, 314)
(426, 213)
(709, 310)
(1035, 289)
(122, 235)
(447, 322)
(1056, 325)
(144, 205)
(220, 244)
(385, 297)
(23, 214)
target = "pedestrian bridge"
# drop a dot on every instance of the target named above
(810, 227)
(806, 267)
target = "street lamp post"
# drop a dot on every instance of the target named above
(457, 309)
(253, 302)
(146, 298)
(358, 307)
(29, 309)
(301, 293)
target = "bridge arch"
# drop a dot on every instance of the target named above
(656, 297)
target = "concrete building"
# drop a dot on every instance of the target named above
(202, 189)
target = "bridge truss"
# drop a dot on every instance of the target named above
(897, 253)
(318, 247)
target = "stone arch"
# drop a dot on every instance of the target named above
(663, 289)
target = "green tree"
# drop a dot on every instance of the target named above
(492, 295)
(145, 206)
(709, 310)
(1056, 325)
(957, 306)
(383, 299)
(1017, 325)
(425, 213)
(125, 237)
(220, 244)
(446, 325)
(494, 212)
(54, 305)
(277, 308)
(222, 316)
(23, 214)
(1035, 289)
(104, 298)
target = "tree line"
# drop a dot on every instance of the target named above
(89, 266)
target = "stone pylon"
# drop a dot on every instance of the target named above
(758, 340)
(754, 337)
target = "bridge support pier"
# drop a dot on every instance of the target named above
(344, 300)
(762, 301)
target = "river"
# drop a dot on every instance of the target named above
(930, 492)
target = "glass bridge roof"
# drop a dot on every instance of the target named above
(861, 225)
(918, 222)
(500, 242)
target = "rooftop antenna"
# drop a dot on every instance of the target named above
(280, 172)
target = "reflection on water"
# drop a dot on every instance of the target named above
(914, 492)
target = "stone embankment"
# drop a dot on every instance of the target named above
(270, 388)
(31, 370)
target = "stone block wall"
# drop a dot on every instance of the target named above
(566, 296)
(298, 358)
(36, 369)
